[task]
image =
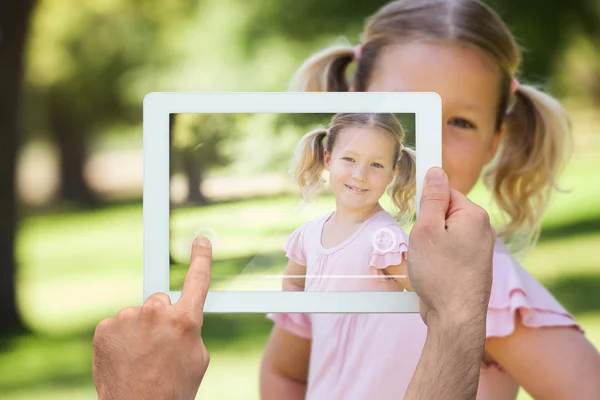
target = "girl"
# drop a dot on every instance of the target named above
(461, 50)
(364, 156)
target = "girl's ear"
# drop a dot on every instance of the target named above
(327, 159)
(495, 143)
(393, 174)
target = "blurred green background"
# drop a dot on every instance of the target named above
(73, 144)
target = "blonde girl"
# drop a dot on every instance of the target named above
(512, 135)
(344, 250)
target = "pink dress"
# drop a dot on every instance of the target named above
(374, 356)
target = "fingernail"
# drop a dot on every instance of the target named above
(435, 176)
(202, 241)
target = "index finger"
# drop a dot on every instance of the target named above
(197, 279)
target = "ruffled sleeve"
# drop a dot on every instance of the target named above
(297, 324)
(516, 293)
(294, 246)
(389, 245)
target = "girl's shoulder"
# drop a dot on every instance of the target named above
(311, 225)
(384, 229)
(303, 238)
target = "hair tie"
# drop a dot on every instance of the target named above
(357, 52)
(327, 132)
(515, 85)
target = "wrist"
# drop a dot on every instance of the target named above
(458, 330)
(457, 319)
(141, 394)
(451, 357)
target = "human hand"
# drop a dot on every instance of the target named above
(450, 253)
(155, 351)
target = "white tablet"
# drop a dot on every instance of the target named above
(217, 165)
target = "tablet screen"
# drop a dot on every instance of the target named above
(233, 178)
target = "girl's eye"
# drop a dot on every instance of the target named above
(462, 123)
(377, 165)
(347, 159)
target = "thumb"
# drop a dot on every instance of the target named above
(435, 199)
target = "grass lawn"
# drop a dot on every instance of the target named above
(79, 267)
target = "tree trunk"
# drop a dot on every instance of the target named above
(194, 172)
(595, 89)
(71, 141)
(14, 25)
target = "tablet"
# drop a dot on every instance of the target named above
(218, 165)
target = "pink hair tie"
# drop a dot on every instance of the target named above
(328, 131)
(515, 85)
(357, 52)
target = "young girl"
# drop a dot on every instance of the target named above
(461, 50)
(345, 249)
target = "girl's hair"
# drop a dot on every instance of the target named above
(309, 158)
(537, 140)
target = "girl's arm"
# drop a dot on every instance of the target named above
(400, 274)
(549, 363)
(284, 369)
(295, 282)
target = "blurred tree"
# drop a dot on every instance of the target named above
(79, 70)
(14, 23)
(199, 143)
(82, 57)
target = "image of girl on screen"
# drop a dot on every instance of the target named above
(359, 246)
(497, 130)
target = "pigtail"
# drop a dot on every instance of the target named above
(308, 163)
(535, 149)
(403, 189)
(324, 71)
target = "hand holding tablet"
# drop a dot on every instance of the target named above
(249, 259)
(156, 351)
(450, 254)
(450, 268)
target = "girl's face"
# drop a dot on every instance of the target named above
(469, 88)
(360, 166)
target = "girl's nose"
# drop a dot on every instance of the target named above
(359, 173)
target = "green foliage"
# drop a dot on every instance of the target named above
(545, 43)
(83, 55)
(205, 137)
(309, 20)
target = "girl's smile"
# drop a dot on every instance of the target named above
(355, 189)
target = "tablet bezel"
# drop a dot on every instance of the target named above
(157, 107)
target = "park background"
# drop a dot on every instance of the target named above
(71, 156)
